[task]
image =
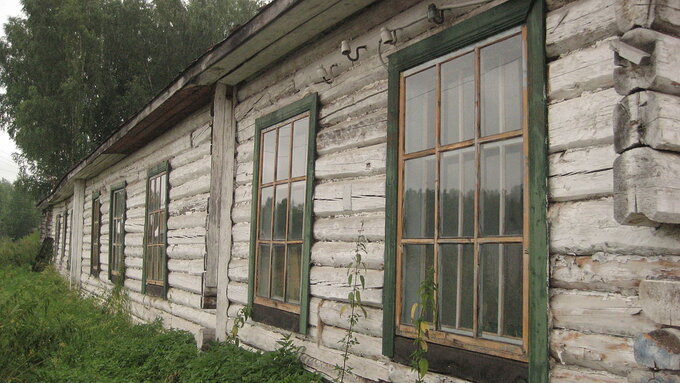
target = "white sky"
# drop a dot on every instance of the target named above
(8, 169)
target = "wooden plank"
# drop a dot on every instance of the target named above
(76, 244)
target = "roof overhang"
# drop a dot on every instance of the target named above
(278, 29)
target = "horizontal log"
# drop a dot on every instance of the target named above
(243, 193)
(187, 251)
(190, 156)
(349, 228)
(190, 172)
(191, 235)
(189, 204)
(189, 266)
(134, 239)
(581, 160)
(241, 213)
(603, 313)
(185, 298)
(356, 132)
(329, 313)
(240, 250)
(238, 270)
(331, 283)
(367, 346)
(244, 152)
(660, 301)
(597, 352)
(237, 292)
(244, 173)
(662, 15)
(560, 374)
(588, 227)
(582, 121)
(198, 186)
(581, 186)
(584, 70)
(647, 187)
(647, 118)
(241, 232)
(370, 97)
(580, 24)
(190, 220)
(341, 254)
(184, 281)
(201, 135)
(346, 197)
(610, 273)
(352, 163)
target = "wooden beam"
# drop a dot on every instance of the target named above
(77, 232)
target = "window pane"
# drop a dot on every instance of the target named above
(489, 274)
(448, 282)
(419, 177)
(266, 204)
(420, 110)
(297, 210)
(457, 193)
(278, 269)
(293, 273)
(164, 186)
(283, 156)
(263, 272)
(501, 207)
(467, 283)
(268, 156)
(280, 212)
(300, 138)
(513, 301)
(417, 263)
(458, 100)
(501, 86)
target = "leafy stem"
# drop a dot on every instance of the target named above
(423, 315)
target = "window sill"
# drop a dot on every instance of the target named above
(464, 364)
(282, 319)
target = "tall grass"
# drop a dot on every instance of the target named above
(49, 333)
(19, 253)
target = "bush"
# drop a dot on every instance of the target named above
(19, 253)
(48, 333)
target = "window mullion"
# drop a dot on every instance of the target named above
(437, 174)
(475, 322)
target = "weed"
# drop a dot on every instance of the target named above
(241, 317)
(423, 314)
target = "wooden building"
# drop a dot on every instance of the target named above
(524, 154)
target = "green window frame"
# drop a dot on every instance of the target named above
(290, 314)
(117, 215)
(95, 235)
(486, 25)
(155, 261)
(57, 234)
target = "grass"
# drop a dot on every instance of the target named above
(49, 333)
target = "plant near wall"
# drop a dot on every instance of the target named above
(419, 315)
(357, 281)
(241, 317)
(117, 301)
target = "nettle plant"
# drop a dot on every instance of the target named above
(357, 281)
(241, 317)
(423, 315)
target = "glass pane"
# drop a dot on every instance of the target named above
(300, 138)
(419, 177)
(448, 284)
(268, 156)
(280, 212)
(278, 270)
(458, 100)
(283, 156)
(266, 204)
(297, 210)
(501, 86)
(513, 301)
(418, 262)
(513, 190)
(501, 197)
(457, 193)
(293, 273)
(164, 185)
(489, 274)
(420, 110)
(467, 283)
(263, 272)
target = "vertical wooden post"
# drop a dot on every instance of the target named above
(219, 208)
(77, 232)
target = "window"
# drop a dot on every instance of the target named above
(65, 230)
(95, 235)
(155, 232)
(466, 198)
(57, 234)
(281, 231)
(117, 234)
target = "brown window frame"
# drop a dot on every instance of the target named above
(117, 275)
(157, 200)
(500, 347)
(95, 235)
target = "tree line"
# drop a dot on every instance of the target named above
(75, 70)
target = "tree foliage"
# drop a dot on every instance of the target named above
(18, 214)
(75, 70)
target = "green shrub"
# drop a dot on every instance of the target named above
(48, 333)
(21, 252)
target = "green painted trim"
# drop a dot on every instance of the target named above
(160, 168)
(539, 367)
(151, 173)
(479, 27)
(309, 103)
(115, 188)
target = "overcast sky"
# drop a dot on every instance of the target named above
(8, 169)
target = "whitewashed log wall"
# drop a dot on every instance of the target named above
(187, 148)
(61, 258)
